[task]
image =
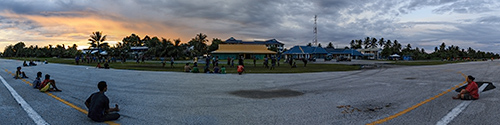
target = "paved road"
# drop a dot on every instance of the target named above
(354, 97)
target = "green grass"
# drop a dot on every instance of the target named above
(179, 66)
(249, 67)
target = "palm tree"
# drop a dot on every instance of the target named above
(96, 39)
(199, 44)
(367, 42)
(381, 42)
(373, 43)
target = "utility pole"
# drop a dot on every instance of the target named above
(315, 31)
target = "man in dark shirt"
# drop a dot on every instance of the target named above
(98, 105)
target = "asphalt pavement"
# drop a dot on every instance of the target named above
(398, 95)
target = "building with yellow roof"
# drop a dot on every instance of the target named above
(248, 51)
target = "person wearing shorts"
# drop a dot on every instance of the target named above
(48, 85)
(470, 92)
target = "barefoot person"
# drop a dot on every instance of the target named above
(98, 105)
(470, 92)
(48, 85)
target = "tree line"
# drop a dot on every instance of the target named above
(394, 47)
(157, 47)
(198, 46)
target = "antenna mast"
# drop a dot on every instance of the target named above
(315, 31)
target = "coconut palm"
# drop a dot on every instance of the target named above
(95, 41)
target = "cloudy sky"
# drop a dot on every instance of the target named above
(422, 23)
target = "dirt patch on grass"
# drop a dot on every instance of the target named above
(260, 94)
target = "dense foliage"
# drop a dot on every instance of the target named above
(156, 47)
(442, 52)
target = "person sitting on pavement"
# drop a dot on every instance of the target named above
(25, 64)
(48, 85)
(240, 69)
(187, 68)
(216, 69)
(37, 81)
(98, 65)
(19, 74)
(223, 70)
(195, 69)
(98, 105)
(106, 65)
(32, 63)
(470, 92)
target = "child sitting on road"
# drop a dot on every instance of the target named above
(45, 86)
(19, 74)
(37, 82)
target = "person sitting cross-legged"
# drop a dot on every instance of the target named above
(470, 92)
(98, 105)
(48, 85)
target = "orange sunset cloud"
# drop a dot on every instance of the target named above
(69, 30)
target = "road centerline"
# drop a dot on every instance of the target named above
(418, 104)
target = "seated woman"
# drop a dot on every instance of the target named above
(47, 83)
(19, 74)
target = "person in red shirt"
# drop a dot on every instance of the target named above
(470, 92)
(47, 83)
(241, 68)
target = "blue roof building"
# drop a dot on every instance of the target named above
(343, 52)
(306, 52)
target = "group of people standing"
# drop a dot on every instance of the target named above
(274, 60)
(215, 66)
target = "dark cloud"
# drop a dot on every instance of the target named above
(489, 20)
(290, 21)
(467, 6)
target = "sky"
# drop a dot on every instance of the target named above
(421, 23)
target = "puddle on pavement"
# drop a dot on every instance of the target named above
(260, 94)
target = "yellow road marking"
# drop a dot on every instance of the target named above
(417, 105)
(66, 102)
